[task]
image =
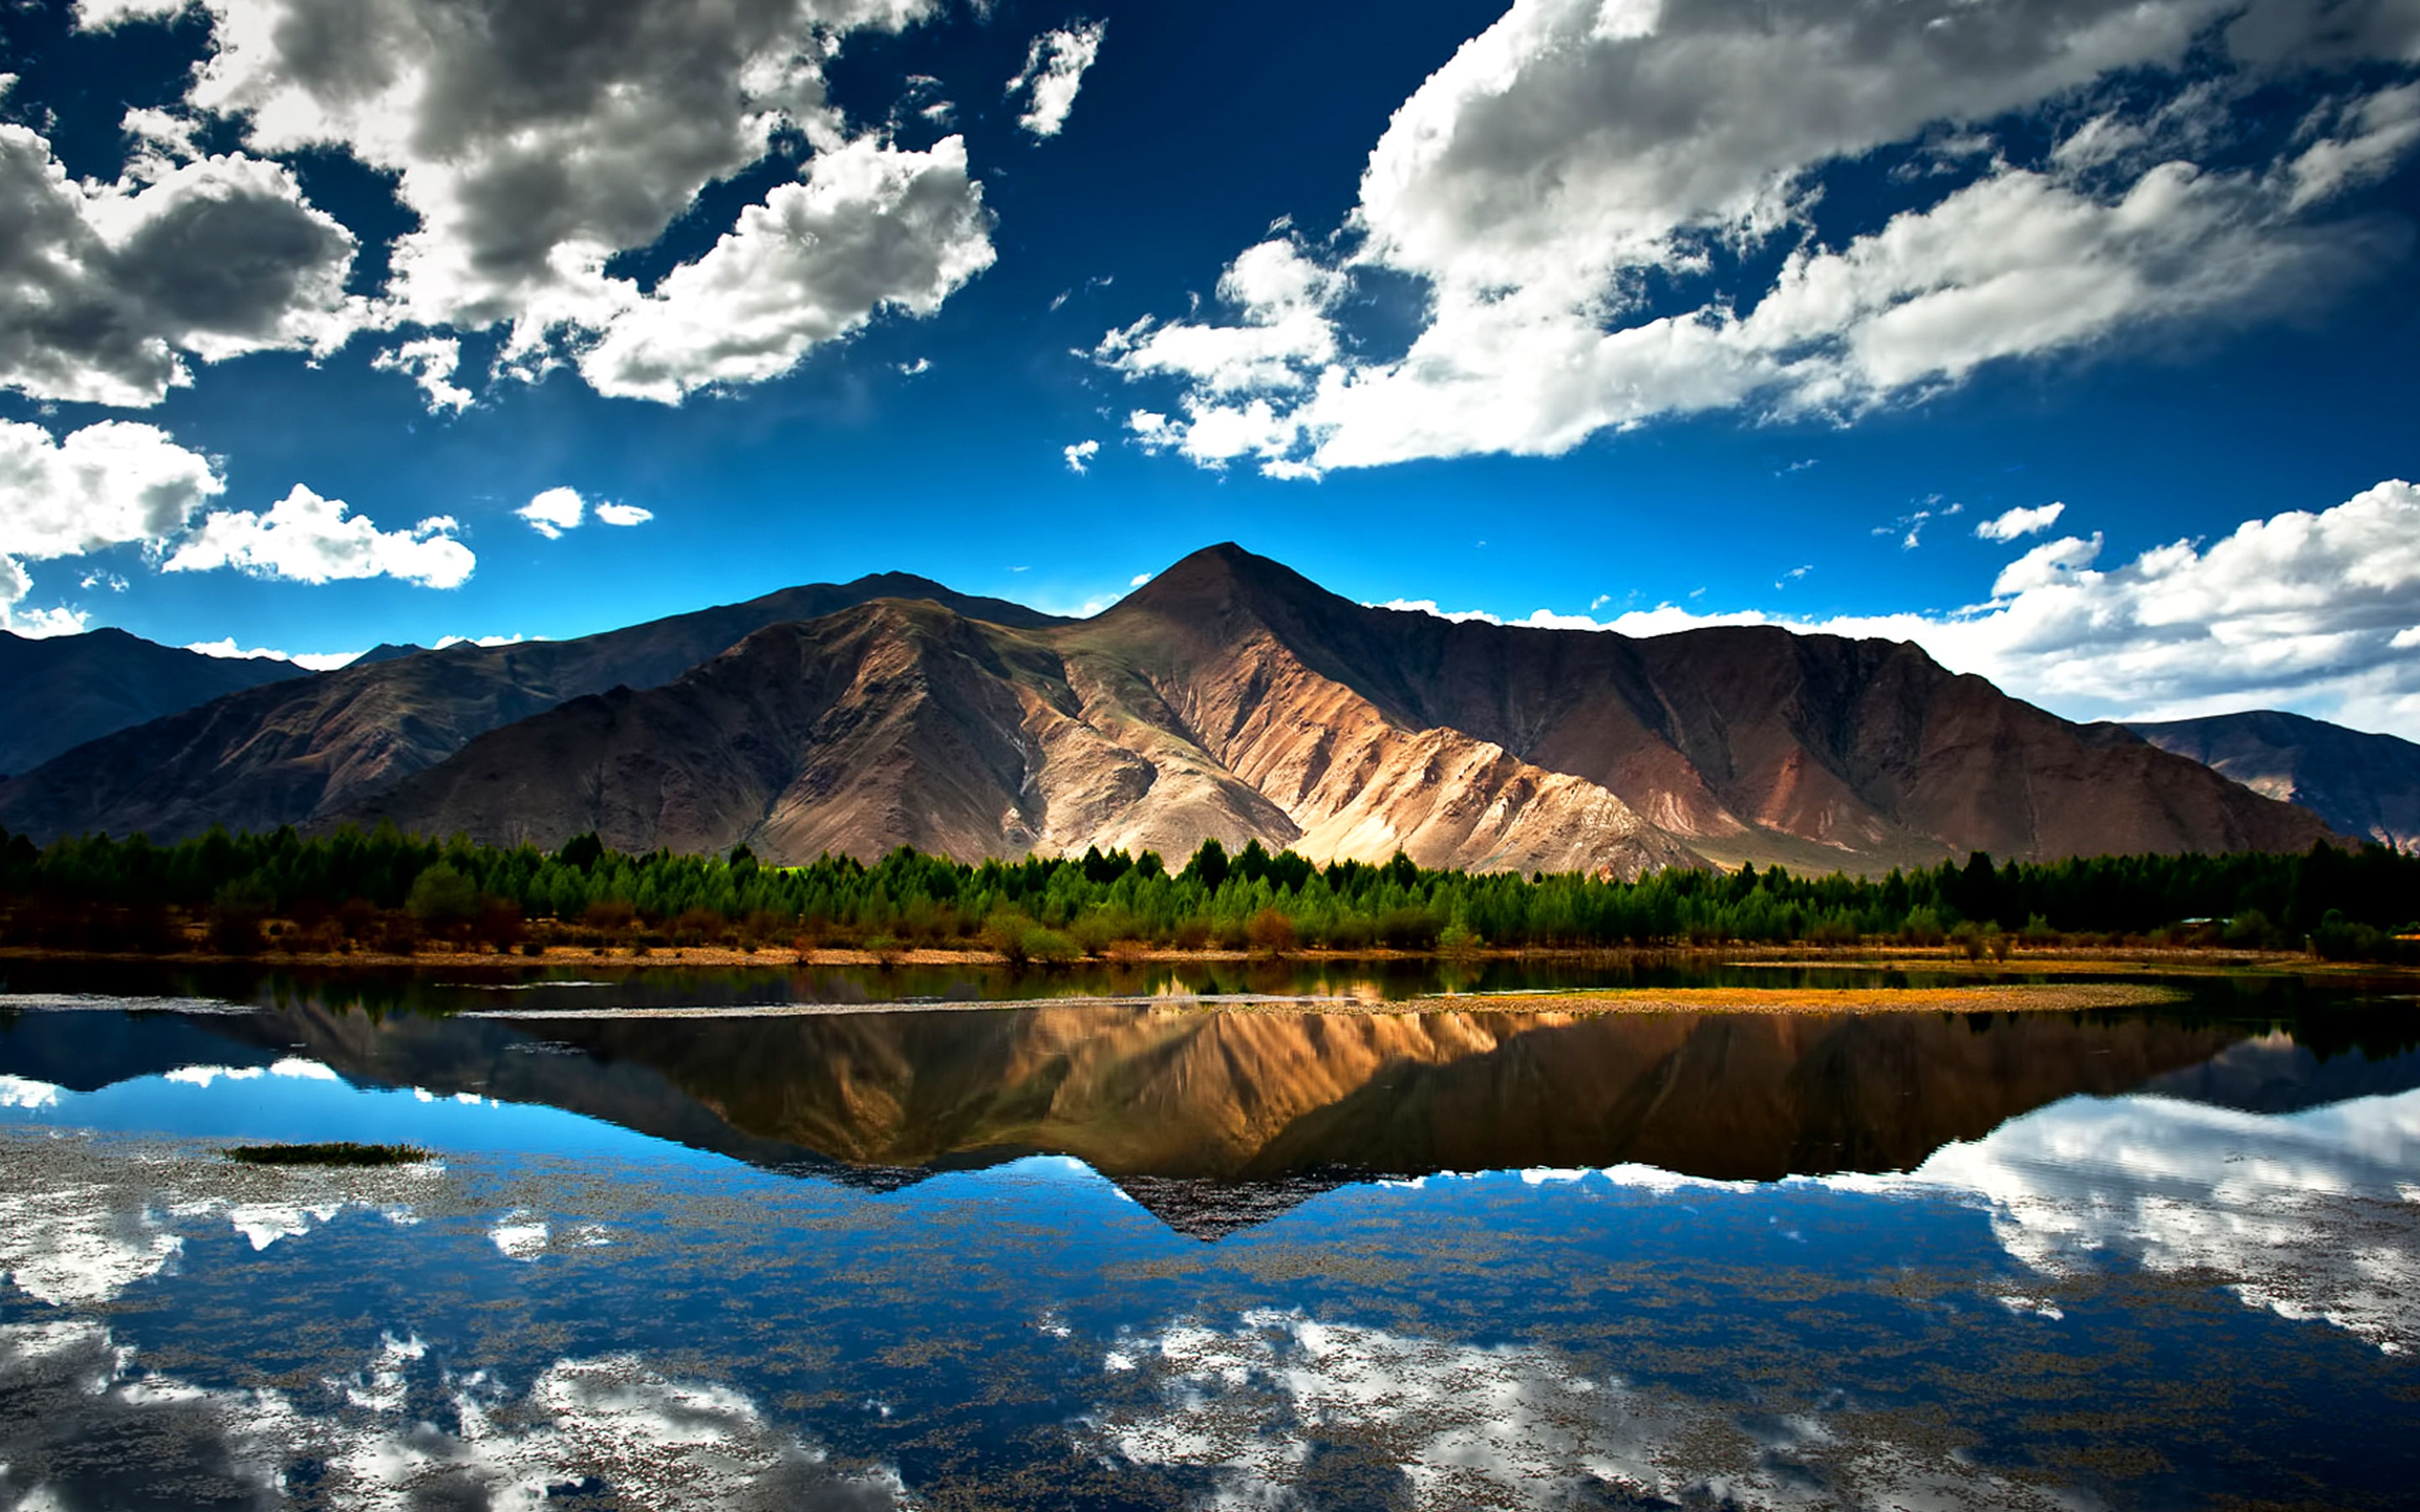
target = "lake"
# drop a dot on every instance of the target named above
(957, 1239)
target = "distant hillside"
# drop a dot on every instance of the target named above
(291, 751)
(1232, 697)
(59, 692)
(2362, 784)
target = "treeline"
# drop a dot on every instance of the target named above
(388, 889)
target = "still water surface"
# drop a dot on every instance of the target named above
(1145, 1253)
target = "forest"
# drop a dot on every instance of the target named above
(387, 890)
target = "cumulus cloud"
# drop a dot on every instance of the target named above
(305, 538)
(106, 290)
(1079, 455)
(558, 510)
(2019, 522)
(554, 512)
(1053, 72)
(2315, 611)
(530, 164)
(430, 363)
(114, 484)
(873, 226)
(1583, 157)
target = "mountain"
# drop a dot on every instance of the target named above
(2362, 784)
(291, 751)
(58, 692)
(1232, 697)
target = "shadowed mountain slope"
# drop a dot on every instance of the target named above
(59, 692)
(288, 752)
(2362, 784)
(1232, 697)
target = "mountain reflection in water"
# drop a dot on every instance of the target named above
(1215, 1117)
(2124, 1260)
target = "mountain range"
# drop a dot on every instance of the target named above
(1228, 696)
(58, 692)
(2363, 785)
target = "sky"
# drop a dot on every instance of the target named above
(2072, 339)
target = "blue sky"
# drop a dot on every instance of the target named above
(1620, 313)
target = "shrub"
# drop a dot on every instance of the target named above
(1968, 937)
(442, 899)
(1922, 927)
(609, 916)
(2249, 930)
(499, 922)
(1270, 930)
(235, 918)
(1458, 938)
(1350, 932)
(1408, 929)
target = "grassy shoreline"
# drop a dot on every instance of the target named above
(2179, 961)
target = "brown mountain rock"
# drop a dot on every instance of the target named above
(291, 751)
(1229, 697)
(2362, 784)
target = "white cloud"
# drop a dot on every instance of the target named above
(431, 363)
(1505, 1425)
(2285, 1210)
(1053, 72)
(2309, 611)
(305, 538)
(106, 290)
(1282, 297)
(623, 515)
(554, 512)
(660, 1442)
(1582, 153)
(872, 228)
(111, 483)
(1079, 455)
(1138, 579)
(117, 483)
(529, 164)
(317, 661)
(513, 640)
(2019, 522)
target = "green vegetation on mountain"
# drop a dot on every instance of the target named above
(387, 889)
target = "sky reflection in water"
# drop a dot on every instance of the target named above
(2101, 1297)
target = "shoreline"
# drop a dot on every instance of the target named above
(1993, 998)
(2055, 960)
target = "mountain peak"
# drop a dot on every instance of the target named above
(1219, 580)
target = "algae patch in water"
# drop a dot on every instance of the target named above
(334, 1153)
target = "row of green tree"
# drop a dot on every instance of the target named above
(2338, 901)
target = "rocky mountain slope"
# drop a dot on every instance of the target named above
(2363, 785)
(59, 692)
(291, 751)
(1232, 697)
